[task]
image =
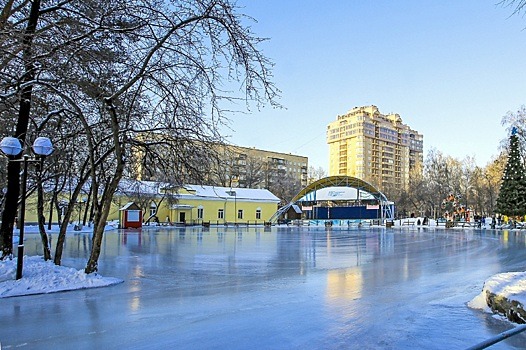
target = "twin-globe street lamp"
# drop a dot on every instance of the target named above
(12, 147)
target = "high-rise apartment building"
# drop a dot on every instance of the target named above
(374, 147)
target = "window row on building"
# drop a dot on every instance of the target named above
(380, 149)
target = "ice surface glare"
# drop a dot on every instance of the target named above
(284, 288)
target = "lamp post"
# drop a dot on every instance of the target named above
(233, 193)
(235, 207)
(12, 147)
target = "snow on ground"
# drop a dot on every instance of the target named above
(72, 228)
(40, 277)
(511, 285)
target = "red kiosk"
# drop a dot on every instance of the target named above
(131, 216)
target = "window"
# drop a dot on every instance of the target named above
(134, 215)
(258, 214)
(240, 214)
(220, 214)
(200, 212)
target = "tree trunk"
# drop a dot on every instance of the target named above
(102, 215)
(10, 209)
(87, 209)
(100, 220)
(41, 219)
(63, 228)
(13, 168)
(59, 210)
(59, 247)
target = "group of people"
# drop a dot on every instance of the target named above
(495, 221)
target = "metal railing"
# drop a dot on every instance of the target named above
(498, 338)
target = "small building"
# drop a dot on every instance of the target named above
(130, 216)
(294, 213)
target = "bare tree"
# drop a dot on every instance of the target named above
(181, 66)
(127, 70)
(518, 5)
(235, 168)
(223, 168)
(315, 174)
(284, 185)
(517, 120)
(21, 55)
(443, 176)
(254, 172)
(144, 194)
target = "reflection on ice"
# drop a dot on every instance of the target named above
(344, 284)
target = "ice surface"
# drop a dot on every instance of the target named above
(284, 288)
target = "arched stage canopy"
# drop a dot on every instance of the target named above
(334, 188)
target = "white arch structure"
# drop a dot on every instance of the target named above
(340, 181)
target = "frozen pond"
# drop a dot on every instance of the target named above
(283, 288)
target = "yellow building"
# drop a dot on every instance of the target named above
(374, 147)
(196, 204)
(189, 204)
(220, 205)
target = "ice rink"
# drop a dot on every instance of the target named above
(280, 288)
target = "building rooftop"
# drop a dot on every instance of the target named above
(250, 194)
(197, 191)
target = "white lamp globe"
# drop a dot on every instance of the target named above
(11, 146)
(42, 146)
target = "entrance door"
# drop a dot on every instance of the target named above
(182, 217)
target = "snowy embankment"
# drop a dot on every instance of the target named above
(40, 277)
(71, 228)
(504, 294)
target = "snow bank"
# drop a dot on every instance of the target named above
(40, 277)
(510, 285)
(71, 228)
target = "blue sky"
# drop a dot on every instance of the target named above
(451, 69)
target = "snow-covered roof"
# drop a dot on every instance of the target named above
(130, 205)
(129, 186)
(226, 193)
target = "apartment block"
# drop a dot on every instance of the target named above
(256, 168)
(375, 147)
(217, 164)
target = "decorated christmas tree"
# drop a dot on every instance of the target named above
(512, 196)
